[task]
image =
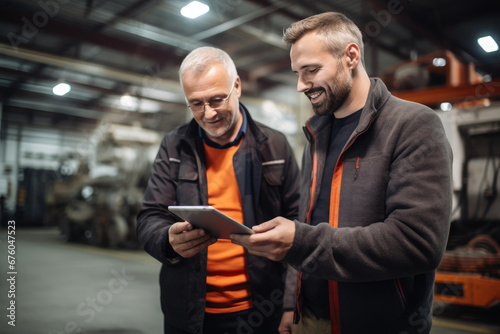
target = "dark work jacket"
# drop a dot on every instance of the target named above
(389, 219)
(178, 177)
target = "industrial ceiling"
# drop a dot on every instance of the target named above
(106, 49)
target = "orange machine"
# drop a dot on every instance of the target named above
(440, 77)
(470, 275)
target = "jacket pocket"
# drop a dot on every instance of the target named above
(188, 170)
(273, 172)
(173, 169)
(378, 303)
(188, 173)
(271, 189)
(188, 192)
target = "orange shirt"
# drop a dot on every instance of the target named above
(227, 277)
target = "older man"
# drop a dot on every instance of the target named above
(246, 170)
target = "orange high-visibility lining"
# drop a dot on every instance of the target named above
(334, 223)
(227, 277)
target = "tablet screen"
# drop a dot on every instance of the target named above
(211, 220)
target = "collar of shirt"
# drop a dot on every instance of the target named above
(243, 130)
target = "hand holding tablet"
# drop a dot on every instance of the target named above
(211, 220)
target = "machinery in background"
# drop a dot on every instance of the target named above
(71, 173)
(98, 202)
(30, 209)
(469, 273)
(440, 78)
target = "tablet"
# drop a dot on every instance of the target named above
(211, 220)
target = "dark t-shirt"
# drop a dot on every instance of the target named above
(315, 290)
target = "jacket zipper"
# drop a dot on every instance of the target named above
(401, 292)
(357, 168)
(333, 285)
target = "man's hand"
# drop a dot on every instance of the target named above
(188, 241)
(272, 239)
(286, 323)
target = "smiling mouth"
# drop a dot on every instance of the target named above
(314, 95)
(212, 122)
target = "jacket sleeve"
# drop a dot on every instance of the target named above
(154, 219)
(412, 237)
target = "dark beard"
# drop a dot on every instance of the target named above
(338, 98)
(335, 101)
(337, 95)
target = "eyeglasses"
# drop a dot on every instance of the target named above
(215, 103)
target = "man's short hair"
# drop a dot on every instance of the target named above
(334, 29)
(201, 60)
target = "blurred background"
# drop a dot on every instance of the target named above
(88, 88)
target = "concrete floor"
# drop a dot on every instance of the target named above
(74, 288)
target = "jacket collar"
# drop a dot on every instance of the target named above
(377, 97)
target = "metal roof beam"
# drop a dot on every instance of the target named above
(238, 21)
(92, 69)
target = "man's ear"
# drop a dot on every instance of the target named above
(353, 56)
(238, 86)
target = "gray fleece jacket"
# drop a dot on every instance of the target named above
(389, 220)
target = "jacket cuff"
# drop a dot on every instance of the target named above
(168, 252)
(173, 260)
(294, 253)
(290, 286)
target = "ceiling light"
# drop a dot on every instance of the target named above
(446, 106)
(439, 62)
(61, 89)
(194, 9)
(488, 44)
(126, 100)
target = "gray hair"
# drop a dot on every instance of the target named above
(334, 29)
(201, 60)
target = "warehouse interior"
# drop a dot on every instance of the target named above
(73, 166)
